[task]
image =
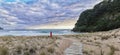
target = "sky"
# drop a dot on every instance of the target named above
(34, 14)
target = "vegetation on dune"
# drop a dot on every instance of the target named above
(3, 51)
(24, 45)
(103, 17)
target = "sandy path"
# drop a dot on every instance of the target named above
(62, 45)
(74, 49)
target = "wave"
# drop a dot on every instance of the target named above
(35, 32)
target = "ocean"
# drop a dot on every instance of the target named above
(36, 32)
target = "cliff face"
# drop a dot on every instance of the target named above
(104, 16)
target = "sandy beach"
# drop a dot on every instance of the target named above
(98, 43)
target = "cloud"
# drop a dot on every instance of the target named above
(23, 13)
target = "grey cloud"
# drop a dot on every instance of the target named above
(40, 12)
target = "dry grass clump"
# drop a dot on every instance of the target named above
(105, 37)
(4, 51)
(97, 43)
(51, 50)
(29, 45)
(19, 49)
(86, 52)
(43, 53)
(89, 41)
(112, 50)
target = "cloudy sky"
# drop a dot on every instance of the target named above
(19, 14)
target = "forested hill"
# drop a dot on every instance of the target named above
(104, 16)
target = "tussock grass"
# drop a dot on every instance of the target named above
(86, 52)
(51, 49)
(112, 48)
(43, 53)
(4, 51)
(27, 45)
(105, 37)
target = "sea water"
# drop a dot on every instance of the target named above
(36, 32)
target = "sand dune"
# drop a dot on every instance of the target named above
(97, 43)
